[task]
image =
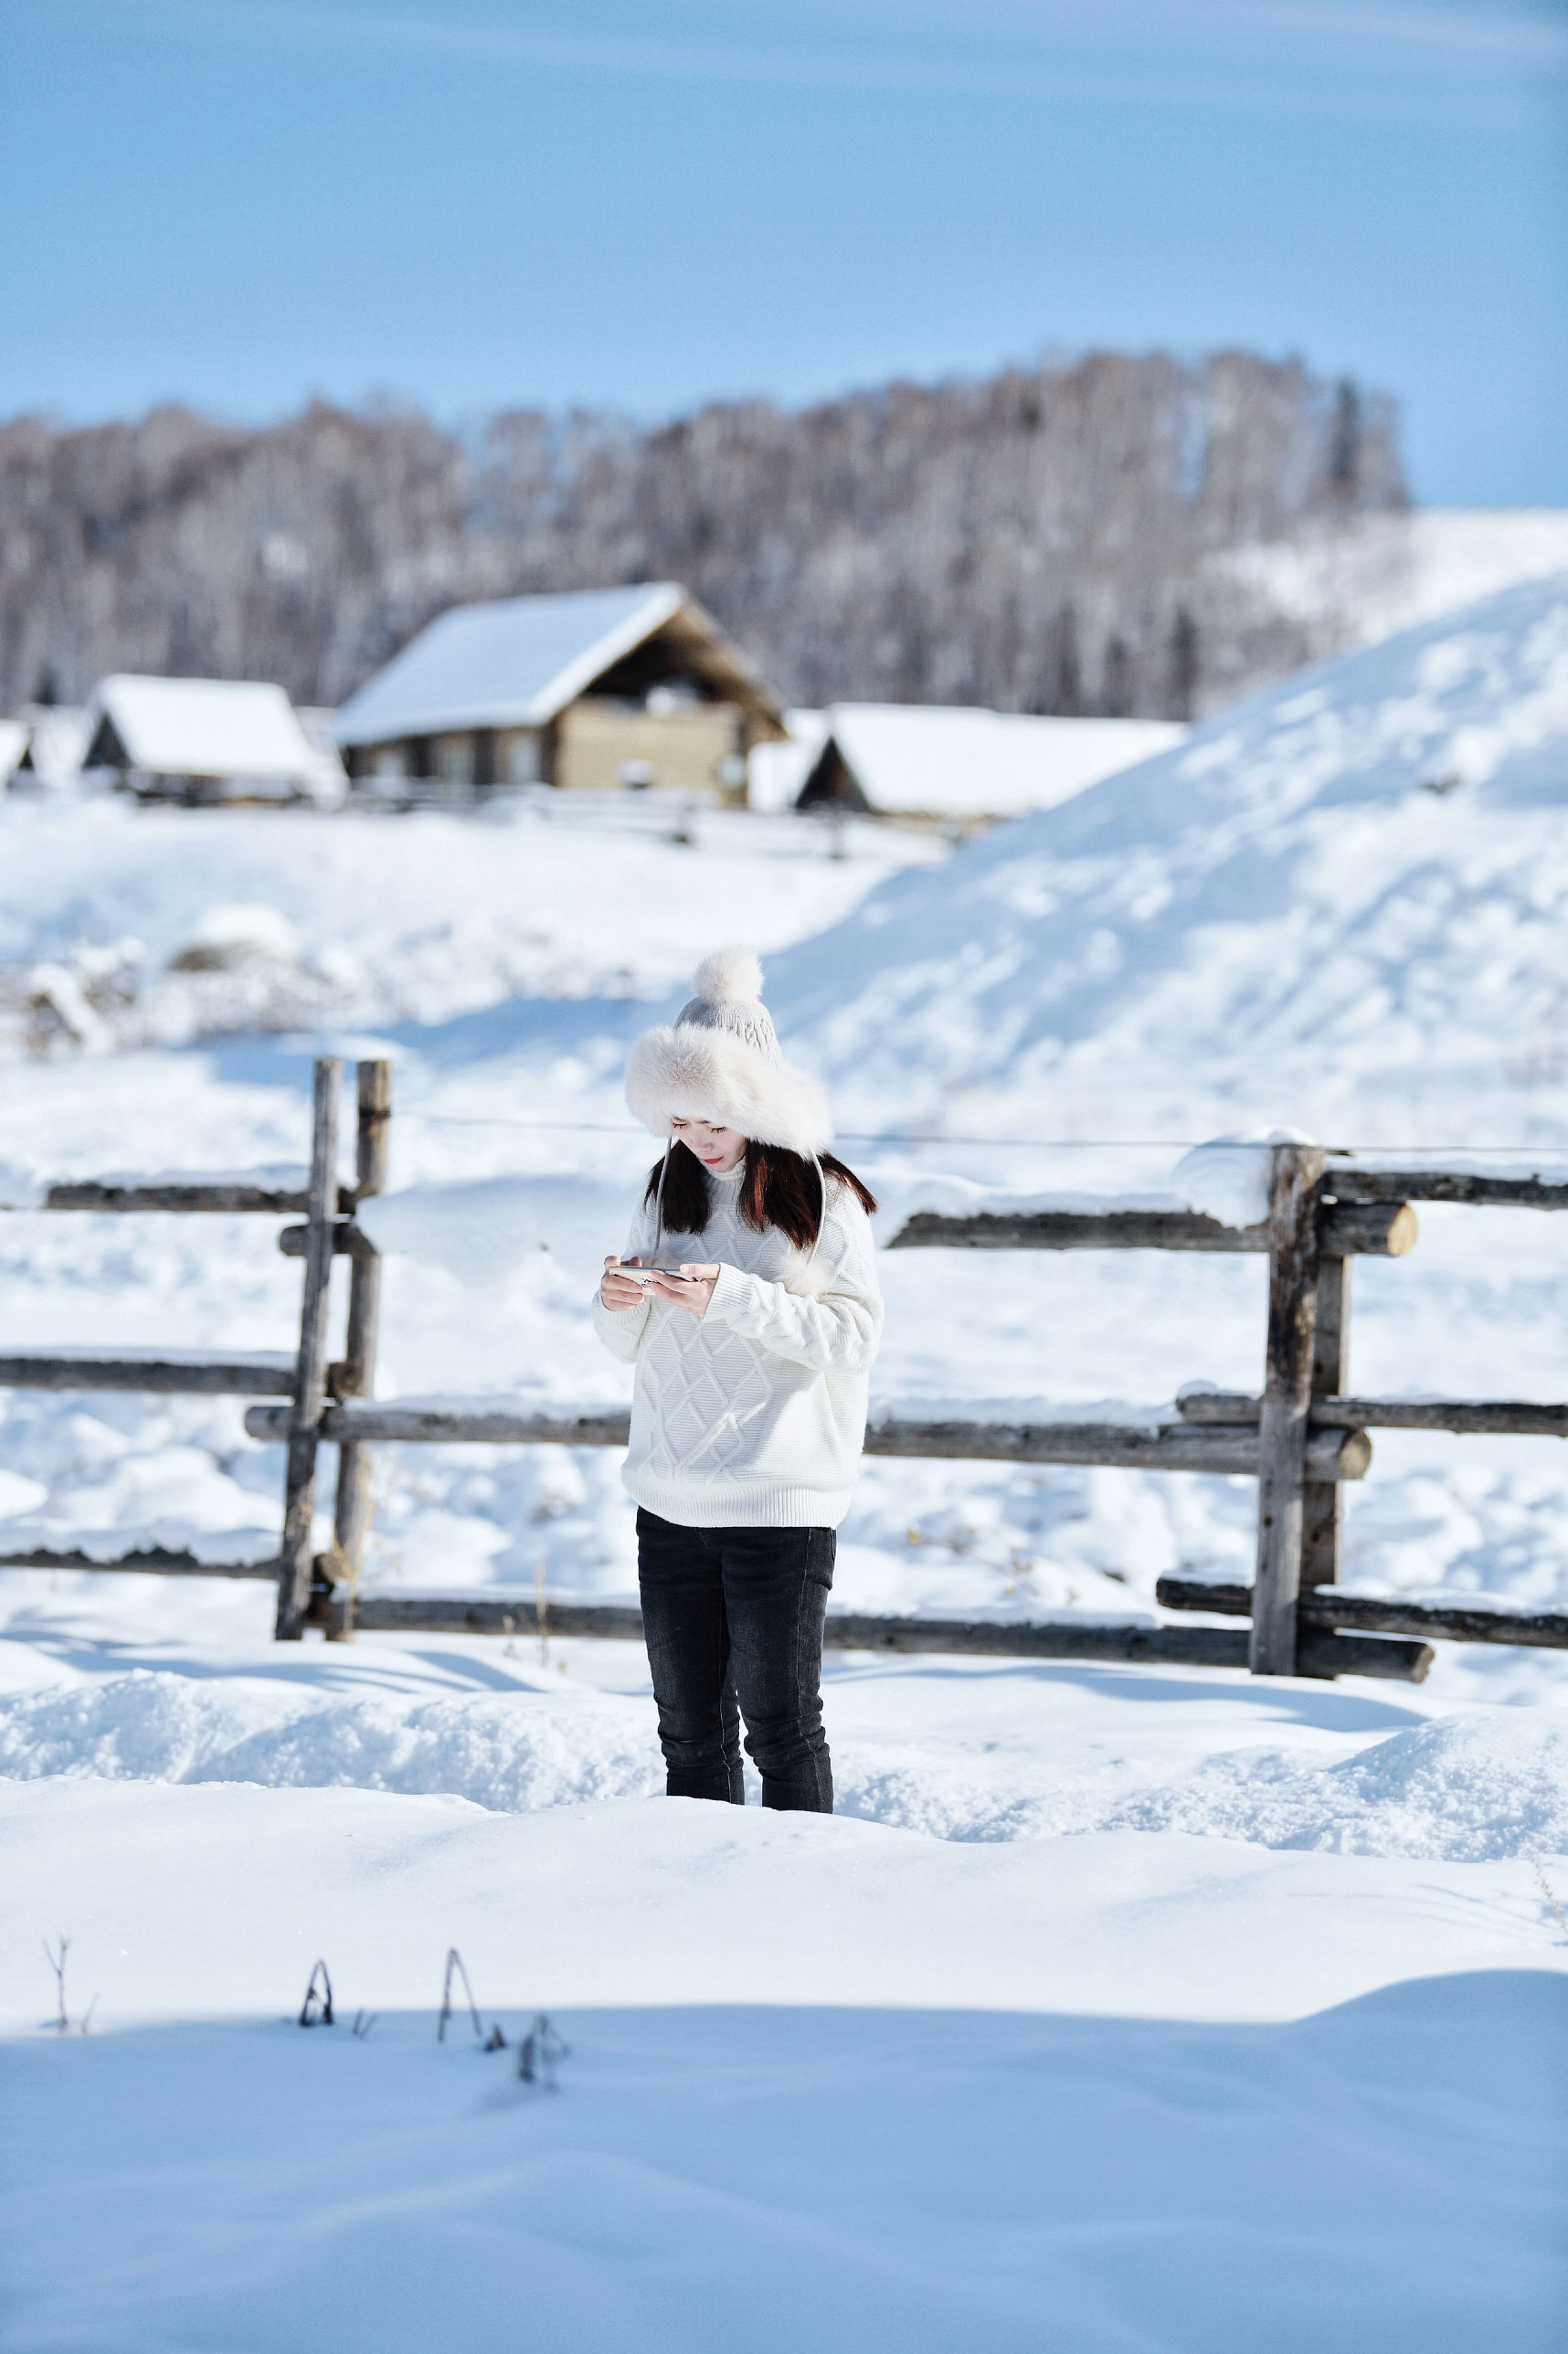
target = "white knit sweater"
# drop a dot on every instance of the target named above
(755, 1416)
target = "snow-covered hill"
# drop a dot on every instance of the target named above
(1355, 583)
(1341, 904)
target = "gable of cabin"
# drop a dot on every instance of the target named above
(106, 749)
(831, 783)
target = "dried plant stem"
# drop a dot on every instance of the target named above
(455, 1969)
(57, 1962)
(1553, 1906)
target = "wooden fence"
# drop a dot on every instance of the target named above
(1301, 1438)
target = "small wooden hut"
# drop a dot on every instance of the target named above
(923, 760)
(198, 739)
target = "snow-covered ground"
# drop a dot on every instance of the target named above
(179, 924)
(1116, 2008)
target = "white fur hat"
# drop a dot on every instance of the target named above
(720, 1061)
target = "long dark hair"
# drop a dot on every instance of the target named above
(780, 1189)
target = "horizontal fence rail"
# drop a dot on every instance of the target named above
(195, 1372)
(851, 1630)
(1329, 1606)
(1352, 1183)
(156, 1561)
(1375, 1230)
(1517, 1417)
(186, 1195)
(1171, 1447)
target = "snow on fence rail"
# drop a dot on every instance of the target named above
(1301, 1438)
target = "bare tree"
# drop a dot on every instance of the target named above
(1041, 539)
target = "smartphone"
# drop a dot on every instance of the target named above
(644, 1275)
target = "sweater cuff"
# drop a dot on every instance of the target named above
(733, 1293)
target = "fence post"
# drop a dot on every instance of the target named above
(295, 1565)
(1295, 1197)
(1324, 1510)
(355, 1378)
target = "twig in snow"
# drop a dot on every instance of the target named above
(87, 2015)
(1553, 1905)
(455, 1963)
(539, 2054)
(316, 2009)
(363, 2023)
(57, 1962)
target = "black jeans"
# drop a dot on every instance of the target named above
(733, 1622)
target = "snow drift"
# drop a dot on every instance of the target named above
(1480, 1787)
(1346, 891)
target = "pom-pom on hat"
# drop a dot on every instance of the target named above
(721, 1061)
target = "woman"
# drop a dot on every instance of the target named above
(753, 1342)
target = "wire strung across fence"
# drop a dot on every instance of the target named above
(1301, 1438)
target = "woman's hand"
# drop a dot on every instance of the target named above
(692, 1296)
(617, 1291)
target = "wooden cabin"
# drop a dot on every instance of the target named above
(203, 739)
(591, 689)
(925, 761)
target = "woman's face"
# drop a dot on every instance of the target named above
(719, 1149)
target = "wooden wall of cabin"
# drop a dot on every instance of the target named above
(596, 745)
(685, 749)
(464, 761)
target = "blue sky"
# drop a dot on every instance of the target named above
(634, 204)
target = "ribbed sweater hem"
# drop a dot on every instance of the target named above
(745, 1504)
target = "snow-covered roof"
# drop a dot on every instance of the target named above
(519, 661)
(55, 738)
(924, 759)
(204, 728)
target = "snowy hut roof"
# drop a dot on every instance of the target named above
(519, 661)
(54, 738)
(202, 727)
(925, 759)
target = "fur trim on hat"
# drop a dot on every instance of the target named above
(687, 1072)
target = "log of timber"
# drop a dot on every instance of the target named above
(1332, 1607)
(296, 1568)
(493, 1614)
(196, 1371)
(846, 1630)
(1373, 1230)
(1350, 1183)
(473, 1421)
(1295, 1217)
(222, 1199)
(1122, 1444)
(1170, 1447)
(348, 1241)
(156, 1561)
(1322, 1500)
(1517, 1417)
(356, 1376)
